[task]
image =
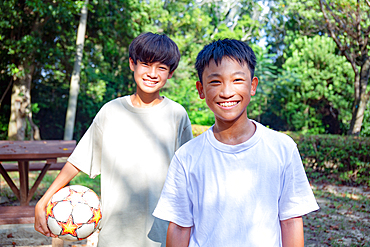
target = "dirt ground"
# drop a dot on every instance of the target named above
(343, 218)
(26, 236)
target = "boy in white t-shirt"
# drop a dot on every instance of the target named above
(130, 143)
(239, 183)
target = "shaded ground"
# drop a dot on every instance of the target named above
(343, 218)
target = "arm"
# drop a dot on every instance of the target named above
(177, 236)
(68, 172)
(292, 232)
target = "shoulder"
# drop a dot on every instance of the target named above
(278, 146)
(193, 148)
(274, 137)
(110, 109)
(276, 142)
(115, 103)
(174, 106)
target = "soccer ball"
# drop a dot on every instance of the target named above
(73, 213)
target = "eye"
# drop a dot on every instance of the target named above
(239, 80)
(214, 82)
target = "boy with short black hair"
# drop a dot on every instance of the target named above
(130, 143)
(239, 183)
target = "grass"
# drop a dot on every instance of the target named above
(343, 218)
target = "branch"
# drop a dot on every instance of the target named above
(358, 24)
(6, 90)
(342, 48)
(368, 2)
(341, 22)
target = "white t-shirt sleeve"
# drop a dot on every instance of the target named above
(87, 154)
(296, 198)
(186, 134)
(174, 204)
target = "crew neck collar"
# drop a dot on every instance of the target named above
(235, 148)
(126, 101)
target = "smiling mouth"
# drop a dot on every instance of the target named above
(150, 82)
(228, 104)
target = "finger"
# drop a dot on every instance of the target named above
(41, 230)
(40, 224)
(45, 227)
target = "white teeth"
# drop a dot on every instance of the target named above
(228, 104)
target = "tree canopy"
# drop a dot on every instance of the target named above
(313, 64)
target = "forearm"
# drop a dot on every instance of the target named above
(292, 232)
(177, 236)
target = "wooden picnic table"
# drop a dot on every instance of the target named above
(23, 152)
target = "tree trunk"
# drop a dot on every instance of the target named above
(361, 99)
(20, 103)
(75, 79)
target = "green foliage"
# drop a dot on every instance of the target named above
(105, 74)
(341, 158)
(4, 124)
(266, 72)
(314, 90)
(296, 96)
(42, 34)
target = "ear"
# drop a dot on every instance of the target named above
(200, 90)
(170, 75)
(254, 86)
(132, 64)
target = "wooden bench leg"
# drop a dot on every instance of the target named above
(10, 182)
(37, 182)
(23, 181)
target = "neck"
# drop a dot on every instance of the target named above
(234, 133)
(145, 101)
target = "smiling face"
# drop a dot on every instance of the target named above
(150, 77)
(227, 89)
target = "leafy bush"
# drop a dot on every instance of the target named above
(198, 129)
(345, 159)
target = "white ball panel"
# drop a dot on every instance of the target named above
(62, 210)
(60, 195)
(85, 230)
(81, 213)
(79, 188)
(92, 199)
(53, 226)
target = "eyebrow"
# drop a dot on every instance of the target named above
(218, 74)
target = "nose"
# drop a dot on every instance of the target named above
(227, 90)
(152, 72)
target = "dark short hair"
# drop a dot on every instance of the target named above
(231, 48)
(150, 48)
